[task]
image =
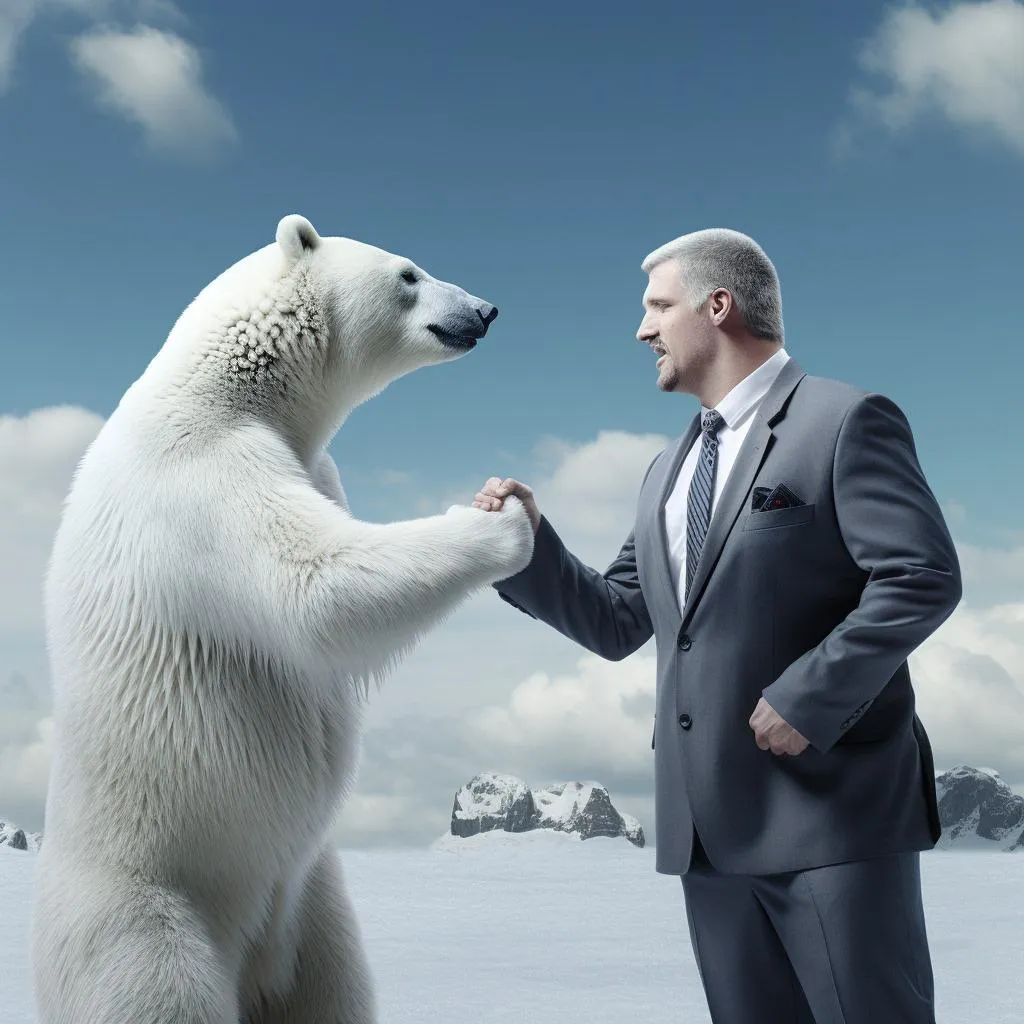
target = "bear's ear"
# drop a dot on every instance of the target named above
(296, 235)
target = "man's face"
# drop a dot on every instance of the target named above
(672, 327)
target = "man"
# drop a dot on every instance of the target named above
(787, 556)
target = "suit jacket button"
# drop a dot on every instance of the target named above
(685, 643)
(685, 721)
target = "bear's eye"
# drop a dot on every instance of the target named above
(409, 276)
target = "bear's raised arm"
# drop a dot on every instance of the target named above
(369, 591)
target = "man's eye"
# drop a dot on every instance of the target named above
(409, 276)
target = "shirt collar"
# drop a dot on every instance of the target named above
(747, 395)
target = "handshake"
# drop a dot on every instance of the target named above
(491, 497)
(492, 547)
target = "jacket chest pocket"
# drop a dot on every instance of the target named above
(779, 517)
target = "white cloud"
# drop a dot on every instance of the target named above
(26, 749)
(388, 819)
(593, 487)
(392, 477)
(24, 773)
(150, 76)
(599, 716)
(38, 454)
(969, 681)
(991, 575)
(966, 64)
(15, 17)
(154, 78)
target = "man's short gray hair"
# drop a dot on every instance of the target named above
(722, 258)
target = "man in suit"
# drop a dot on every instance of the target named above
(787, 556)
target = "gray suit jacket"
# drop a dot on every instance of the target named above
(816, 607)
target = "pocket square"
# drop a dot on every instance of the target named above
(767, 499)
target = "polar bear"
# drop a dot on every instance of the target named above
(214, 617)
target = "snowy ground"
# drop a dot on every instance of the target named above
(549, 930)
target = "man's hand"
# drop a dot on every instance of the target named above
(492, 496)
(773, 732)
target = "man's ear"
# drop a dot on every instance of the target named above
(296, 236)
(721, 304)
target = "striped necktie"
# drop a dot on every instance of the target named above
(702, 487)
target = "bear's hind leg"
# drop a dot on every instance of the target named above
(330, 981)
(115, 952)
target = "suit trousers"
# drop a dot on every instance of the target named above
(840, 944)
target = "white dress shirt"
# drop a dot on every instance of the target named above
(737, 409)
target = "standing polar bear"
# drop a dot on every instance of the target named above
(214, 616)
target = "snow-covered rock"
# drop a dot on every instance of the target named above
(977, 809)
(490, 802)
(634, 830)
(17, 838)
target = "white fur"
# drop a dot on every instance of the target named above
(215, 615)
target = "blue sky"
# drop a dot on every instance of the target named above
(533, 153)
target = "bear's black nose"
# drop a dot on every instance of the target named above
(487, 314)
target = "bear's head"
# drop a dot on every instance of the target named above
(307, 328)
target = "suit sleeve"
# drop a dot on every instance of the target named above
(893, 529)
(603, 612)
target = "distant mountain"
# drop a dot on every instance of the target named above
(977, 809)
(19, 839)
(491, 802)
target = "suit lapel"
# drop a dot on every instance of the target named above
(749, 460)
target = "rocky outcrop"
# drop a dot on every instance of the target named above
(17, 838)
(490, 802)
(975, 804)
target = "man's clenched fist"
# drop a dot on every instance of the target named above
(492, 496)
(772, 732)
